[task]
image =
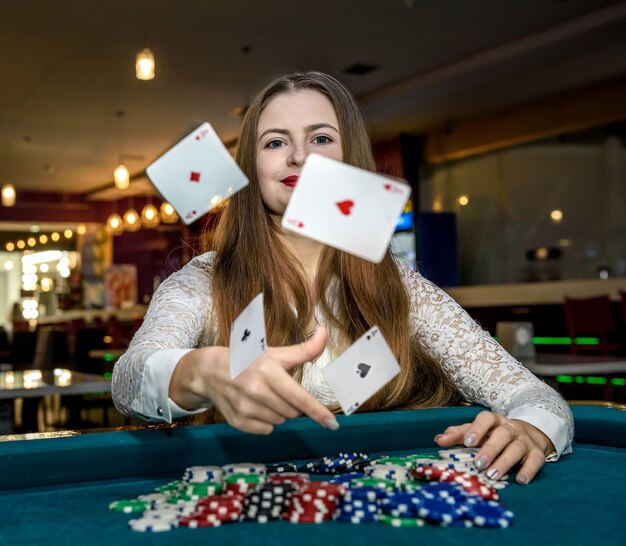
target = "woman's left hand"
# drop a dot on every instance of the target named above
(503, 443)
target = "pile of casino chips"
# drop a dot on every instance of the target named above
(349, 488)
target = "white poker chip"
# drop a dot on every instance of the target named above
(244, 468)
(150, 525)
(459, 454)
(161, 515)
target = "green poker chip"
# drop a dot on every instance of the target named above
(401, 522)
(129, 506)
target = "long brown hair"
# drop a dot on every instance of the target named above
(251, 259)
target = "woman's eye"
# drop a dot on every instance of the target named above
(322, 139)
(274, 144)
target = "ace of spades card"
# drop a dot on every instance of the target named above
(247, 337)
(196, 174)
(361, 371)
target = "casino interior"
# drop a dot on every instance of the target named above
(507, 119)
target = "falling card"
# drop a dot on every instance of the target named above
(346, 207)
(247, 337)
(197, 174)
(361, 371)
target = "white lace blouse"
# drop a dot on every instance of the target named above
(180, 318)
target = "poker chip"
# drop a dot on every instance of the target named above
(459, 454)
(151, 525)
(296, 478)
(401, 522)
(377, 483)
(440, 511)
(489, 514)
(267, 503)
(168, 487)
(200, 474)
(244, 468)
(129, 506)
(279, 468)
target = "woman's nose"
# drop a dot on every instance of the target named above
(298, 155)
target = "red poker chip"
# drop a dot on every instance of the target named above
(194, 523)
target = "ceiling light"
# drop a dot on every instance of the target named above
(144, 65)
(10, 247)
(132, 222)
(68, 233)
(55, 236)
(150, 216)
(556, 215)
(168, 214)
(114, 224)
(121, 176)
(8, 195)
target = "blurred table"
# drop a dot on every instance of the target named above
(35, 383)
(551, 365)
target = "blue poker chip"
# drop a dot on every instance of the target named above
(440, 511)
(489, 514)
(344, 479)
(364, 493)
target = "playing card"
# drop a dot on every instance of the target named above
(361, 371)
(247, 337)
(197, 174)
(345, 207)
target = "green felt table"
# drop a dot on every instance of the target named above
(57, 490)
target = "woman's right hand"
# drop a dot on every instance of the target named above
(262, 396)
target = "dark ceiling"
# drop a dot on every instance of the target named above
(67, 67)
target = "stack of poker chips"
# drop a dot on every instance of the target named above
(314, 502)
(349, 488)
(267, 502)
(359, 505)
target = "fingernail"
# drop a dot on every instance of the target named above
(493, 474)
(331, 424)
(470, 439)
(522, 479)
(437, 437)
(481, 462)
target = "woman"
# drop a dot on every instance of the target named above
(177, 364)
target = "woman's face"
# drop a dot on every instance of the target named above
(292, 126)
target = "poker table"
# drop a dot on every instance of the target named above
(56, 490)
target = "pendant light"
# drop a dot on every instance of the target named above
(144, 62)
(132, 220)
(121, 176)
(168, 214)
(150, 215)
(8, 195)
(144, 65)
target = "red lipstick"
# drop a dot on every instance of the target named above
(290, 181)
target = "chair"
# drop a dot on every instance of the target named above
(592, 317)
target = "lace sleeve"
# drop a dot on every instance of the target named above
(178, 318)
(480, 368)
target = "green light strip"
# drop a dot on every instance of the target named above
(591, 380)
(566, 341)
